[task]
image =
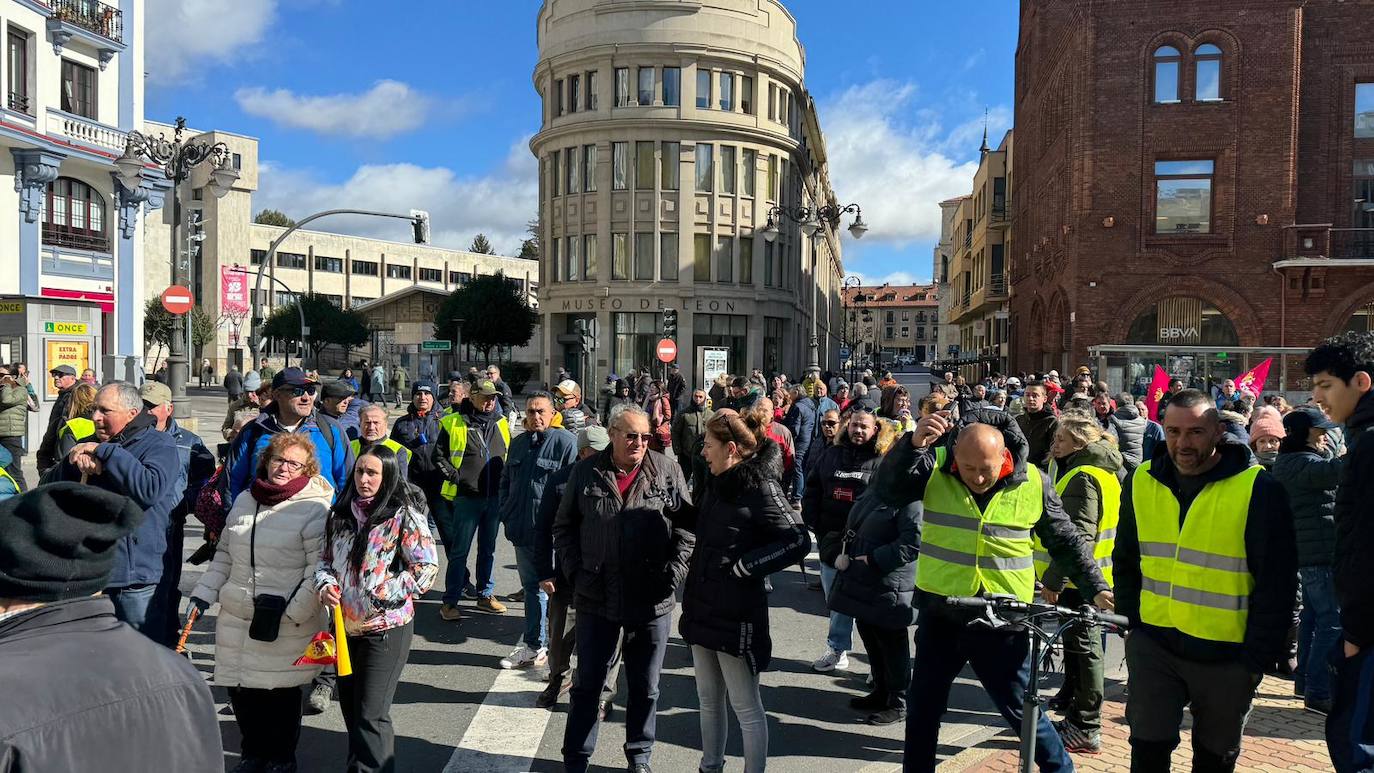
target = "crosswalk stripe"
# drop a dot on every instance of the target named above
(506, 731)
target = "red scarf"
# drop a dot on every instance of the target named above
(269, 494)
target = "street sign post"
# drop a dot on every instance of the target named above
(436, 346)
(844, 353)
(177, 299)
(667, 350)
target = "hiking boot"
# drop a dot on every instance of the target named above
(525, 656)
(886, 717)
(1318, 706)
(871, 702)
(450, 613)
(490, 604)
(832, 660)
(1078, 740)
(319, 699)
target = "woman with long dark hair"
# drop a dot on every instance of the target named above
(378, 557)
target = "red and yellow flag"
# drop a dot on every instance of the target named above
(1252, 380)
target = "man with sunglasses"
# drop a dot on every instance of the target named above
(292, 409)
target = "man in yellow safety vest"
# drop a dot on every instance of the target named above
(1206, 568)
(372, 431)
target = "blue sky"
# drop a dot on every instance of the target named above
(433, 109)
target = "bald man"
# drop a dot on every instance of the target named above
(982, 501)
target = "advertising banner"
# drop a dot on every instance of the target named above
(233, 292)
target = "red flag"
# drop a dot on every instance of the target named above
(1252, 381)
(1158, 384)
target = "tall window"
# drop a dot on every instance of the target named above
(558, 97)
(668, 165)
(558, 173)
(1167, 60)
(620, 173)
(644, 256)
(1183, 197)
(75, 216)
(728, 170)
(17, 78)
(768, 277)
(589, 168)
(574, 259)
(574, 92)
(620, 257)
(672, 86)
(644, 166)
(705, 169)
(703, 89)
(560, 271)
(772, 102)
(1364, 110)
(746, 94)
(622, 86)
(750, 170)
(646, 86)
(573, 184)
(727, 91)
(78, 89)
(773, 177)
(746, 259)
(667, 257)
(725, 259)
(589, 250)
(1207, 65)
(701, 258)
(591, 90)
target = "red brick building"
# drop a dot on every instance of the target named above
(1195, 183)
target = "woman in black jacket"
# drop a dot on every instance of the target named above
(745, 530)
(875, 557)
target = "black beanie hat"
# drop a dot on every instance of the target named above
(58, 541)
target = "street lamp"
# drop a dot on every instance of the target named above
(176, 158)
(851, 326)
(811, 219)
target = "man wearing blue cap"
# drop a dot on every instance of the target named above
(292, 410)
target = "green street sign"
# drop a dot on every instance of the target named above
(436, 346)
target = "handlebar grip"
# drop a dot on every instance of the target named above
(967, 601)
(1117, 620)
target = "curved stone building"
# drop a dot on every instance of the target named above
(670, 130)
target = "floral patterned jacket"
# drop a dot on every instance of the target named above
(400, 563)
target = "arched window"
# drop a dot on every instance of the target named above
(75, 216)
(1167, 61)
(1207, 69)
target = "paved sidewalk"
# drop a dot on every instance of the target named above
(1280, 736)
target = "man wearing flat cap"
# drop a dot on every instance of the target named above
(64, 380)
(83, 692)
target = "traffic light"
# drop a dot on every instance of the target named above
(670, 323)
(420, 222)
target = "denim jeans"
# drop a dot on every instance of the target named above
(1350, 725)
(720, 676)
(840, 637)
(460, 520)
(1318, 632)
(536, 601)
(134, 605)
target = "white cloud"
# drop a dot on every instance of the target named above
(892, 278)
(181, 33)
(387, 109)
(497, 204)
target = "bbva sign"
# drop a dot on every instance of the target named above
(1175, 333)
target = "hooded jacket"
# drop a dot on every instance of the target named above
(1082, 497)
(1270, 554)
(743, 521)
(880, 591)
(533, 458)
(1038, 429)
(1130, 434)
(1310, 480)
(836, 482)
(1354, 556)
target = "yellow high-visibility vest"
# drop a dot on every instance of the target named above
(456, 427)
(4, 474)
(79, 428)
(1106, 522)
(402, 453)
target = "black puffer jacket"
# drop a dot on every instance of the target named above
(743, 520)
(1311, 480)
(879, 591)
(839, 478)
(625, 557)
(1130, 434)
(1354, 559)
(1038, 429)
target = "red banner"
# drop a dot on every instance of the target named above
(1252, 381)
(1158, 385)
(233, 291)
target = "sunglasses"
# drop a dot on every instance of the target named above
(862, 408)
(302, 391)
(642, 437)
(830, 424)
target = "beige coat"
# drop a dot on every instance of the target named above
(290, 537)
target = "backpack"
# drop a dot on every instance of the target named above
(210, 507)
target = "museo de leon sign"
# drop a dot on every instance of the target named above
(648, 304)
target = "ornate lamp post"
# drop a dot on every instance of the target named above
(812, 219)
(176, 158)
(851, 326)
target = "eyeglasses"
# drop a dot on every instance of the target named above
(287, 464)
(641, 437)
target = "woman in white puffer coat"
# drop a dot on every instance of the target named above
(268, 551)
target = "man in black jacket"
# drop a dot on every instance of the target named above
(625, 498)
(134, 705)
(64, 379)
(1200, 638)
(1342, 371)
(1038, 424)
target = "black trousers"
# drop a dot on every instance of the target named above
(269, 722)
(643, 650)
(563, 643)
(15, 445)
(889, 658)
(365, 697)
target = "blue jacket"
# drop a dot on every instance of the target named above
(801, 420)
(197, 465)
(336, 458)
(7, 486)
(419, 434)
(533, 458)
(141, 464)
(1154, 434)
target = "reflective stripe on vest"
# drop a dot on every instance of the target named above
(402, 453)
(1108, 515)
(78, 428)
(456, 427)
(1197, 581)
(5, 475)
(964, 551)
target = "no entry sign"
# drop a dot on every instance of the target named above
(667, 350)
(177, 299)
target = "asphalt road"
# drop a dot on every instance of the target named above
(456, 711)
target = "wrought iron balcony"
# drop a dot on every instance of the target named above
(1320, 241)
(94, 16)
(19, 102)
(997, 286)
(58, 237)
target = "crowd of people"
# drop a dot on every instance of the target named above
(1232, 531)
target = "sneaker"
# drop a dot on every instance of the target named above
(524, 656)
(319, 699)
(870, 702)
(490, 604)
(1078, 740)
(450, 614)
(886, 717)
(1318, 706)
(470, 592)
(1060, 703)
(832, 660)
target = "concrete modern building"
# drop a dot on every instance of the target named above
(72, 241)
(354, 271)
(979, 291)
(670, 131)
(946, 335)
(895, 320)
